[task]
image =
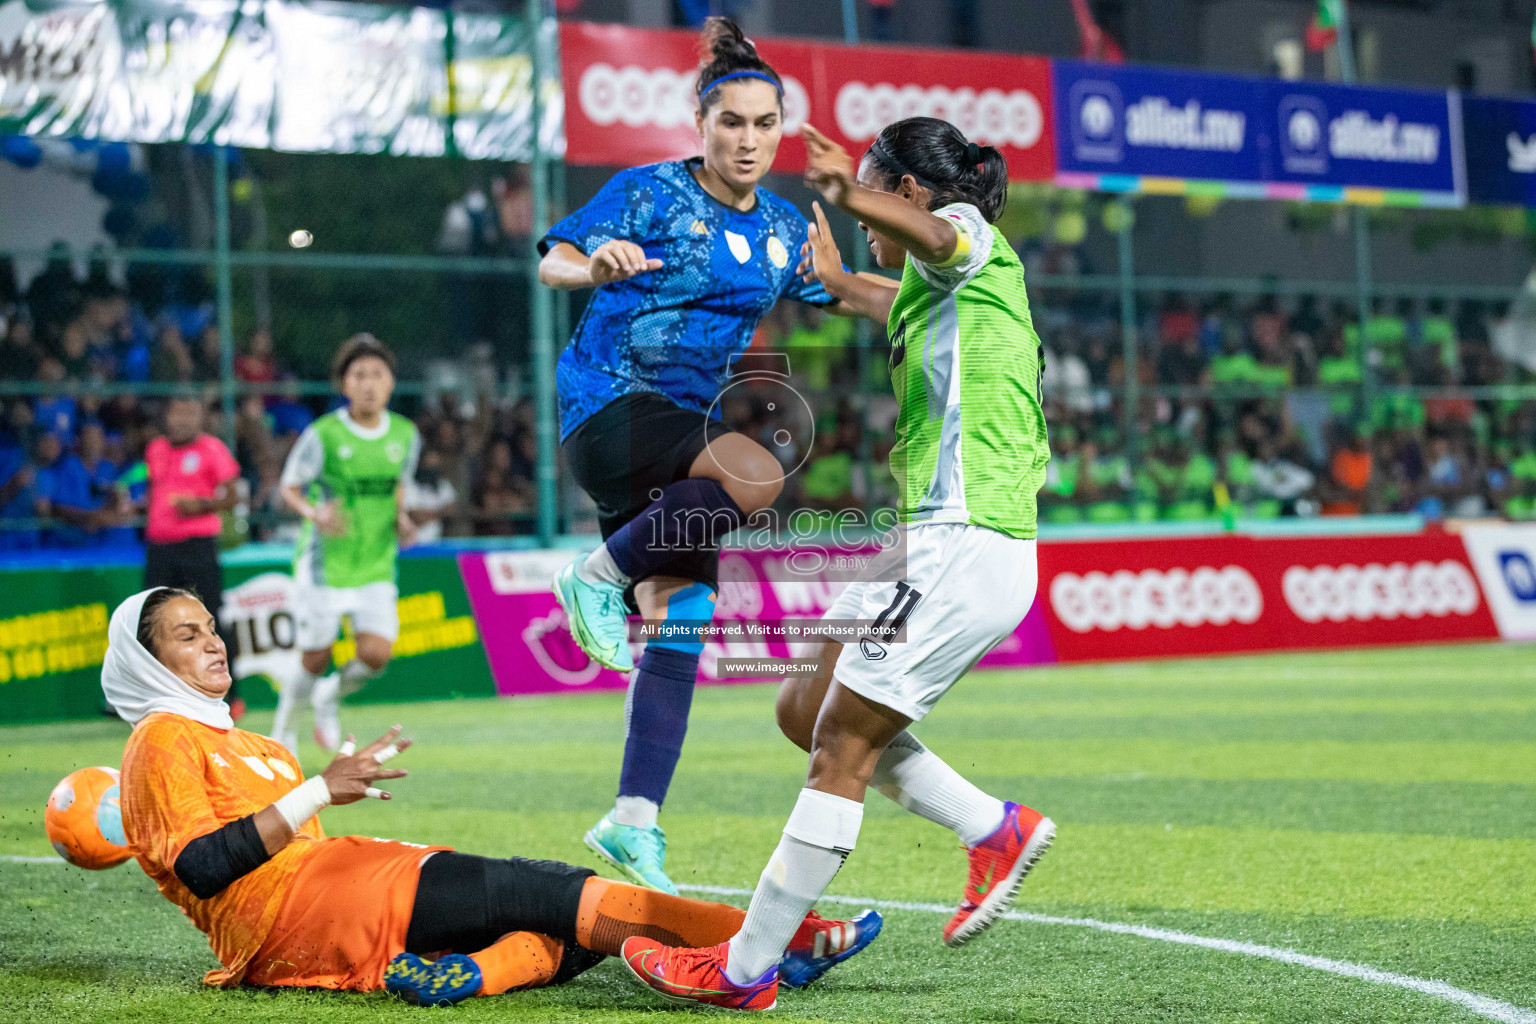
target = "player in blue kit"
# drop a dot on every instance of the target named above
(686, 256)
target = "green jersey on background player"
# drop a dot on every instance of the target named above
(346, 477)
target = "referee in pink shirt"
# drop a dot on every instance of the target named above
(190, 477)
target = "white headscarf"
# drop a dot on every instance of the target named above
(135, 682)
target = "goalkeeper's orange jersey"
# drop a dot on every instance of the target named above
(182, 779)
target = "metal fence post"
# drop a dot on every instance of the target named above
(863, 330)
(1128, 345)
(1368, 382)
(541, 299)
(225, 286)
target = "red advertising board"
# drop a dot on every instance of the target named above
(629, 96)
(1108, 600)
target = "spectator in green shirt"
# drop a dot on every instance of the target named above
(1521, 503)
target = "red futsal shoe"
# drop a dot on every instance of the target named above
(998, 866)
(697, 975)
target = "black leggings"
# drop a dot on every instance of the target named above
(465, 903)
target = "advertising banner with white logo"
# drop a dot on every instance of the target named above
(630, 96)
(530, 648)
(1130, 129)
(1121, 120)
(1349, 137)
(1505, 560)
(1500, 149)
(1110, 600)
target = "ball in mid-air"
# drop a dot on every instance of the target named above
(85, 820)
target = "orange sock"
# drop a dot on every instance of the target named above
(518, 960)
(613, 911)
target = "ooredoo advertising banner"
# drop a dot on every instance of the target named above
(1111, 600)
(630, 96)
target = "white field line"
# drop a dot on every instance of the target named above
(1486, 1006)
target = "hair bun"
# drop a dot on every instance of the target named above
(723, 38)
(972, 154)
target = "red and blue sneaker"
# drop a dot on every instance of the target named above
(998, 866)
(696, 975)
(442, 982)
(819, 945)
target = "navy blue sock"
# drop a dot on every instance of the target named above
(657, 720)
(689, 515)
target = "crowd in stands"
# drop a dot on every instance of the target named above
(69, 453)
(1262, 409)
(1250, 407)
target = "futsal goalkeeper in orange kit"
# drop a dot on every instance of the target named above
(226, 824)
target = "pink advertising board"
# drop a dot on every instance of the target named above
(531, 650)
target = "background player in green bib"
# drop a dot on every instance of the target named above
(970, 456)
(345, 476)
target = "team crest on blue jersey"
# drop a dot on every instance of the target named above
(698, 227)
(740, 247)
(776, 252)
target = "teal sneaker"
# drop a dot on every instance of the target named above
(597, 616)
(637, 852)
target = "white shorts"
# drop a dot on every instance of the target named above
(962, 591)
(371, 606)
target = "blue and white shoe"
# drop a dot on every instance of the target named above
(638, 853)
(597, 616)
(451, 979)
(821, 945)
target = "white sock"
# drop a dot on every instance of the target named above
(636, 811)
(919, 780)
(355, 675)
(821, 832)
(289, 700)
(599, 567)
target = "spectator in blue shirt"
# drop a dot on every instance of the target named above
(64, 494)
(18, 498)
(289, 413)
(58, 413)
(103, 473)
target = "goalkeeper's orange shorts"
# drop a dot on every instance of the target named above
(345, 917)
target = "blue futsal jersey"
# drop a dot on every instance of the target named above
(674, 331)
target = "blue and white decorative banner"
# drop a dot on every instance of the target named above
(1355, 138)
(1118, 120)
(1501, 150)
(1136, 129)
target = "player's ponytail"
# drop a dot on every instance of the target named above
(940, 159)
(728, 53)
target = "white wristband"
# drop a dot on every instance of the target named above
(304, 801)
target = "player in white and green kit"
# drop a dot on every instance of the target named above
(345, 476)
(970, 456)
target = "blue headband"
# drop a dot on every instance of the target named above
(745, 74)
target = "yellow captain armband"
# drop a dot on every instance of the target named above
(962, 243)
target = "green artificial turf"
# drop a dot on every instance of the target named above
(1371, 807)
